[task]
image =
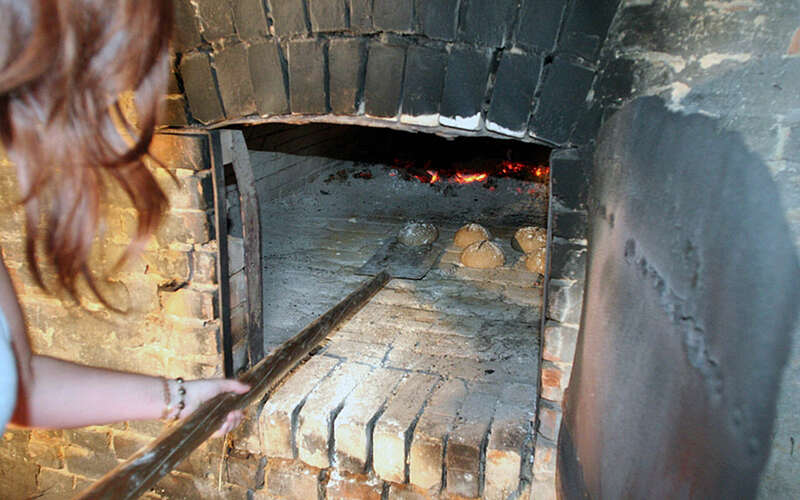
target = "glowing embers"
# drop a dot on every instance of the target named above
(482, 171)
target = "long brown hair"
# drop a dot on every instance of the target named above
(63, 67)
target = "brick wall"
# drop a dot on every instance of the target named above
(171, 328)
(505, 69)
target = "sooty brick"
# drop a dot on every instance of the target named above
(512, 97)
(235, 86)
(289, 17)
(345, 63)
(327, 15)
(266, 72)
(438, 18)
(424, 81)
(306, 77)
(586, 26)
(571, 171)
(393, 15)
(215, 17)
(465, 87)
(187, 27)
(486, 22)
(539, 23)
(561, 101)
(361, 16)
(250, 19)
(200, 87)
(384, 79)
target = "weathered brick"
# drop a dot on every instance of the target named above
(512, 97)
(586, 26)
(554, 381)
(275, 420)
(539, 23)
(353, 425)
(567, 260)
(559, 342)
(426, 456)
(464, 87)
(216, 20)
(266, 72)
(384, 79)
(327, 15)
(361, 16)
(504, 452)
(347, 486)
(187, 27)
(345, 61)
(565, 301)
(189, 227)
(394, 429)
(549, 420)
(182, 151)
(486, 23)
(569, 225)
(127, 443)
(561, 101)
(201, 88)
(175, 111)
(314, 422)
(464, 445)
(306, 77)
(90, 462)
(187, 303)
(292, 480)
(289, 17)
(424, 82)
(393, 15)
(235, 87)
(438, 18)
(204, 265)
(544, 459)
(242, 469)
(250, 19)
(543, 487)
(54, 484)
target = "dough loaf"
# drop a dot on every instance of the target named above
(531, 238)
(483, 255)
(469, 234)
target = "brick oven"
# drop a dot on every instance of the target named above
(661, 337)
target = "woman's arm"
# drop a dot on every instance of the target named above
(57, 394)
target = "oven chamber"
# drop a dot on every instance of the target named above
(666, 349)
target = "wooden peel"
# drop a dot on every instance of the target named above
(142, 471)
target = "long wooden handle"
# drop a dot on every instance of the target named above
(140, 472)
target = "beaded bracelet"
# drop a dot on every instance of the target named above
(168, 398)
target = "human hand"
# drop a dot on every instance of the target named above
(197, 392)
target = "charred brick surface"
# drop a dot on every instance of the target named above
(512, 98)
(187, 29)
(465, 83)
(306, 77)
(384, 81)
(424, 81)
(393, 15)
(216, 19)
(235, 84)
(327, 15)
(269, 86)
(345, 65)
(586, 26)
(249, 18)
(360, 16)
(200, 88)
(289, 17)
(438, 18)
(487, 23)
(539, 23)
(560, 101)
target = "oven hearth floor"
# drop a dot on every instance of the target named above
(433, 383)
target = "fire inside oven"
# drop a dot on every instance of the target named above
(454, 354)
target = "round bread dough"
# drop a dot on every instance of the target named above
(469, 234)
(415, 234)
(535, 261)
(530, 238)
(483, 255)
